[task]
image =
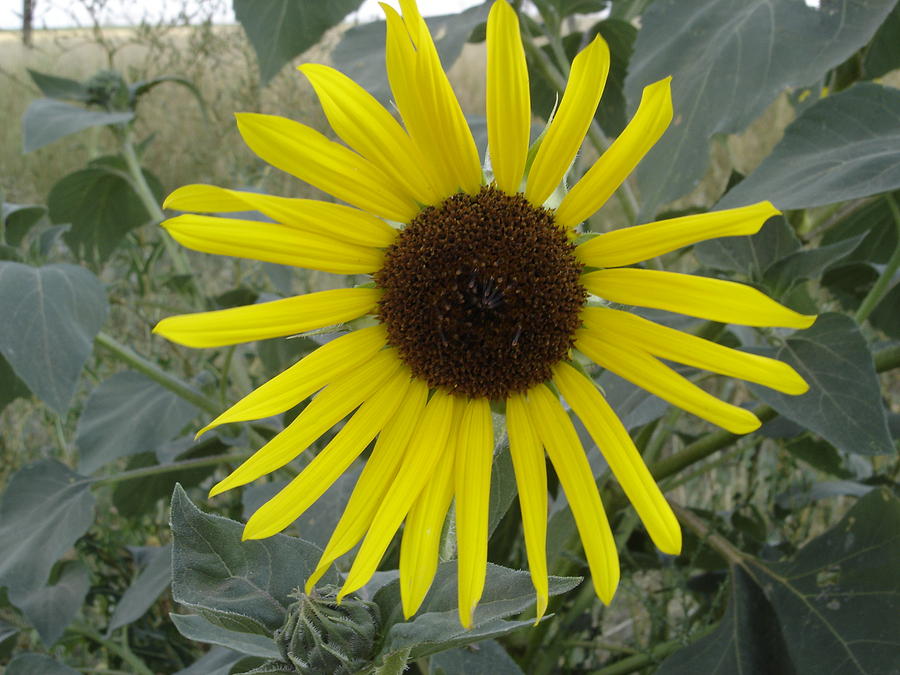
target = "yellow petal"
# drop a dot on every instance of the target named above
(566, 132)
(636, 244)
(337, 221)
(421, 542)
(327, 466)
(429, 108)
(596, 186)
(622, 456)
(269, 319)
(531, 480)
(329, 166)
(426, 447)
(364, 125)
(674, 345)
(508, 98)
(648, 373)
(706, 298)
(564, 449)
(332, 405)
(274, 243)
(375, 480)
(307, 376)
(474, 455)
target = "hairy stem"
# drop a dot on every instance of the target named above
(155, 373)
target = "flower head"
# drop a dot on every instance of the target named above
(480, 294)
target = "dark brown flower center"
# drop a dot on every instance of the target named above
(481, 294)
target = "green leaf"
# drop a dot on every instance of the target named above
(620, 36)
(37, 664)
(127, 414)
(102, 207)
(436, 627)
(53, 86)
(844, 147)
(876, 222)
(47, 120)
(484, 658)
(217, 661)
(750, 256)
(728, 60)
(51, 315)
(45, 509)
(195, 627)
(52, 608)
(883, 52)
(360, 53)
(812, 264)
(279, 30)
(144, 590)
(18, 219)
(833, 608)
(843, 404)
(11, 387)
(213, 569)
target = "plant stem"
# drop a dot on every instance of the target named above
(393, 664)
(139, 183)
(648, 658)
(151, 370)
(122, 651)
(174, 467)
(887, 359)
(703, 447)
(887, 276)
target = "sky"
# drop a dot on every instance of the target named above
(71, 13)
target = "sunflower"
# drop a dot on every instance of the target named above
(481, 297)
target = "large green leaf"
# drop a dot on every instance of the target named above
(127, 414)
(833, 608)
(843, 404)
(883, 53)
(47, 120)
(18, 219)
(240, 582)
(51, 608)
(279, 30)
(620, 36)
(101, 206)
(844, 147)
(50, 317)
(45, 509)
(144, 590)
(360, 53)
(484, 658)
(728, 60)
(195, 627)
(750, 256)
(436, 626)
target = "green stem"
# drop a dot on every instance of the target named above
(142, 188)
(648, 658)
(151, 370)
(703, 447)
(393, 664)
(174, 467)
(887, 359)
(887, 276)
(122, 651)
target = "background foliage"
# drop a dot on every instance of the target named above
(792, 533)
